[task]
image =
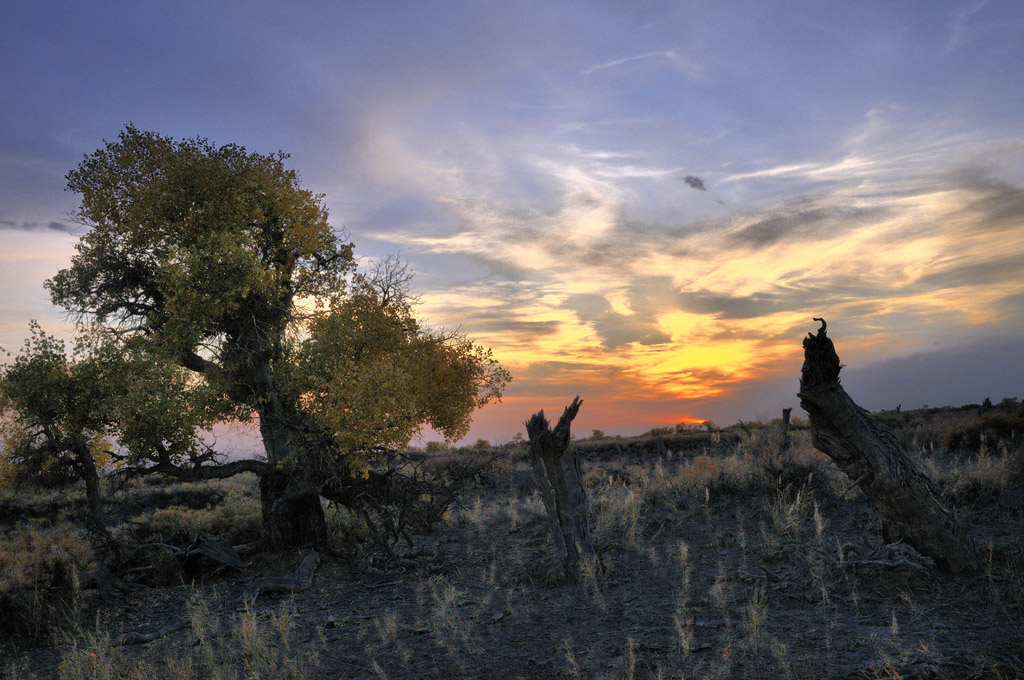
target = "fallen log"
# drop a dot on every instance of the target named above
(214, 548)
(138, 638)
(911, 506)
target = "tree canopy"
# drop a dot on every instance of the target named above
(218, 277)
(66, 415)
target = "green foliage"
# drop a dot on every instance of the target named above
(229, 295)
(52, 408)
(190, 240)
(59, 407)
(368, 373)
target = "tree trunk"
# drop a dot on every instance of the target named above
(85, 466)
(292, 514)
(910, 506)
(558, 475)
(292, 518)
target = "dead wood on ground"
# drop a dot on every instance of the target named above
(910, 506)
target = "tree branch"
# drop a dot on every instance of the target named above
(194, 362)
(195, 474)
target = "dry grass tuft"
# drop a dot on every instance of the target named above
(40, 578)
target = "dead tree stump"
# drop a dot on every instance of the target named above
(785, 441)
(910, 506)
(557, 469)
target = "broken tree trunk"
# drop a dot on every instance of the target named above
(909, 504)
(557, 469)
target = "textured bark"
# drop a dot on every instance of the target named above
(910, 506)
(292, 514)
(557, 469)
(85, 466)
(292, 518)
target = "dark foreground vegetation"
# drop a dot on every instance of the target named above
(728, 553)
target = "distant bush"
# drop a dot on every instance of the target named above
(985, 479)
(987, 432)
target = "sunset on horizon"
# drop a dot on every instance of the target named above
(523, 340)
(644, 204)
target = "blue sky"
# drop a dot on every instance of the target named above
(861, 161)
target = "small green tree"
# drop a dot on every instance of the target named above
(57, 429)
(68, 415)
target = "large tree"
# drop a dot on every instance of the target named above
(217, 258)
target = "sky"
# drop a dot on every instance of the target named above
(642, 203)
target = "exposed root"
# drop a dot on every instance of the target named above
(301, 580)
(138, 638)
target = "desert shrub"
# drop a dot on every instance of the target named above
(986, 432)
(20, 505)
(235, 518)
(521, 479)
(764, 440)
(141, 496)
(40, 575)
(796, 471)
(983, 480)
(701, 480)
(435, 447)
(406, 498)
(723, 475)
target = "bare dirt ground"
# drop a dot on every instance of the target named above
(712, 567)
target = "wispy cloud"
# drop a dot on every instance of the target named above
(683, 312)
(671, 57)
(960, 21)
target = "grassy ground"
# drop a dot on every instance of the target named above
(727, 560)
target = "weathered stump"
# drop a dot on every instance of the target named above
(557, 469)
(910, 506)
